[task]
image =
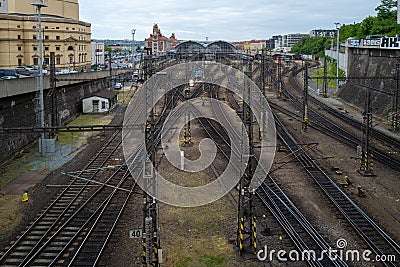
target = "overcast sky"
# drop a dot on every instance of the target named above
(232, 20)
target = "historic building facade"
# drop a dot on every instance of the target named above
(62, 33)
(159, 44)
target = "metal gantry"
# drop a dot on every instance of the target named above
(280, 81)
(305, 98)
(150, 240)
(246, 232)
(53, 94)
(366, 157)
(325, 79)
(395, 101)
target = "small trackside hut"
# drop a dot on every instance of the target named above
(100, 102)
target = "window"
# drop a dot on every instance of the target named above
(46, 27)
(19, 36)
(58, 38)
(71, 59)
(73, 29)
(18, 26)
(35, 61)
(46, 37)
(34, 37)
(58, 60)
(57, 28)
(103, 104)
(67, 28)
(46, 48)
(57, 48)
(35, 48)
(19, 48)
(20, 62)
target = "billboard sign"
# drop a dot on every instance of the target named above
(381, 42)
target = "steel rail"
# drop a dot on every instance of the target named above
(292, 220)
(371, 233)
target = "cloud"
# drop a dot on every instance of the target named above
(227, 20)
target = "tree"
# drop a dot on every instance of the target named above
(386, 9)
(367, 25)
(107, 49)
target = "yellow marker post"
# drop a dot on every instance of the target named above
(24, 197)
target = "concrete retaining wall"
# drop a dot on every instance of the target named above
(27, 85)
(371, 63)
(17, 109)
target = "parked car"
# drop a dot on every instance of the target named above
(27, 70)
(12, 73)
(8, 77)
(117, 85)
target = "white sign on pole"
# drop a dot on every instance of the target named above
(135, 233)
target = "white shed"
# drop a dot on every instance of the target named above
(99, 102)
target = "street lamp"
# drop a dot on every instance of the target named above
(133, 44)
(337, 24)
(39, 4)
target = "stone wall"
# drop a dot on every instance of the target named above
(363, 64)
(19, 111)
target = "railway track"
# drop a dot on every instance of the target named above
(304, 236)
(64, 222)
(301, 232)
(75, 229)
(341, 133)
(371, 233)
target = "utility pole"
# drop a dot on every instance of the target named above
(246, 232)
(39, 4)
(133, 44)
(280, 82)
(53, 93)
(110, 70)
(366, 157)
(151, 242)
(305, 98)
(325, 81)
(337, 24)
(263, 71)
(187, 137)
(395, 101)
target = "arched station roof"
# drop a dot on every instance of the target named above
(190, 46)
(214, 47)
(221, 47)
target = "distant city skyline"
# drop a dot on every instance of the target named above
(219, 20)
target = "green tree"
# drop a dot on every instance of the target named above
(382, 24)
(386, 9)
(107, 49)
(311, 46)
(367, 25)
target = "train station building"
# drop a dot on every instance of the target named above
(159, 44)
